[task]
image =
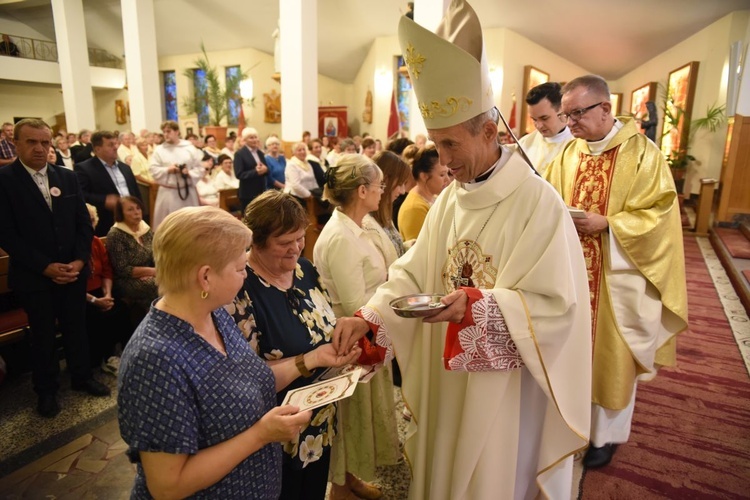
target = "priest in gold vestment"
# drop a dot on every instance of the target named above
(631, 237)
(498, 382)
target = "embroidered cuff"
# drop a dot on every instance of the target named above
(481, 342)
(381, 349)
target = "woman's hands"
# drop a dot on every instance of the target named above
(283, 423)
(326, 355)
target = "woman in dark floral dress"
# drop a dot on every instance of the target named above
(129, 248)
(284, 311)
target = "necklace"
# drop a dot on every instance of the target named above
(464, 271)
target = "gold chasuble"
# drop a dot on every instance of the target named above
(630, 183)
(492, 433)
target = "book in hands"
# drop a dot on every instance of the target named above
(324, 392)
(576, 213)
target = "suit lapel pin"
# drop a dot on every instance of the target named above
(55, 191)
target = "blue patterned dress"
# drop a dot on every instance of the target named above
(178, 394)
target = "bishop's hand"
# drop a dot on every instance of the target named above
(454, 313)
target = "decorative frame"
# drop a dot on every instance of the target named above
(679, 108)
(639, 97)
(615, 99)
(531, 78)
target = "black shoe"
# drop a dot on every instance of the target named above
(599, 457)
(92, 387)
(47, 405)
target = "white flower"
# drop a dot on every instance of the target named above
(311, 449)
(274, 355)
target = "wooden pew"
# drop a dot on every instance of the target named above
(13, 320)
(229, 201)
(316, 214)
(148, 196)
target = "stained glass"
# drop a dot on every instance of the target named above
(200, 90)
(235, 101)
(403, 90)
(170, 95)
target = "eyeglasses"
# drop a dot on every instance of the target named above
(577, 114)
(381, 185)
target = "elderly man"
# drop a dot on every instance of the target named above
(552, 133)
(250, 168)
(46, 230)
(631, 236)
(498, 380)
(7, 146)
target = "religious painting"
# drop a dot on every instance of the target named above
(531, 78)
(616, 100)
(331, 126)
(272, 107)
(367, 113)
(121, 112)
(332, 121)
(638, 99)
(679, 108)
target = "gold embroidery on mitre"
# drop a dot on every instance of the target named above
(452, 106)
(414, 61)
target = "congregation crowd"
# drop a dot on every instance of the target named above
(547, 322)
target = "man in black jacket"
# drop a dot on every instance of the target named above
(250, 168)
(46, 230)
(104, 179)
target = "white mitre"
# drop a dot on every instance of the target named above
(448, 68)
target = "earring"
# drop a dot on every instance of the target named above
(204, 294)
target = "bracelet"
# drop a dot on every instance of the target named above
(93, 299)
(299, 361)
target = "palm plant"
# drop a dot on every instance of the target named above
(216, 96)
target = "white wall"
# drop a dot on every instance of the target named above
(710, 47)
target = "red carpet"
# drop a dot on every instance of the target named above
(691, 428)
(737, 243)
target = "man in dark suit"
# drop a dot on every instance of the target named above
(250, 168)
(82, 150)
(104, 179)
(46, 230)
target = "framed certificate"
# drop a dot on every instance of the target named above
(324, 392)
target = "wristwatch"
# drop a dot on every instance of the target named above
(300, 362)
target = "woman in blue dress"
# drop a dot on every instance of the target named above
(197, 406)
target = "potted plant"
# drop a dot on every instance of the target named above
(217, 96)
(680, 159)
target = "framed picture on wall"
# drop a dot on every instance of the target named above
(616, 100)
(531, 78)
(639, 97)
(679, 108)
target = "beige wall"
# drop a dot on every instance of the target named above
(29, 100)
(330, 92)
(506, 50)
(710, 47)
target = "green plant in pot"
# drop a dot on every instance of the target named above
(217, 95)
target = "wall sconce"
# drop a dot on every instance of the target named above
(246, 91)
(383, 81)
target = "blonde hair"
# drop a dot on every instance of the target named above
(93, 214)
(350, 172)
(193, 237)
